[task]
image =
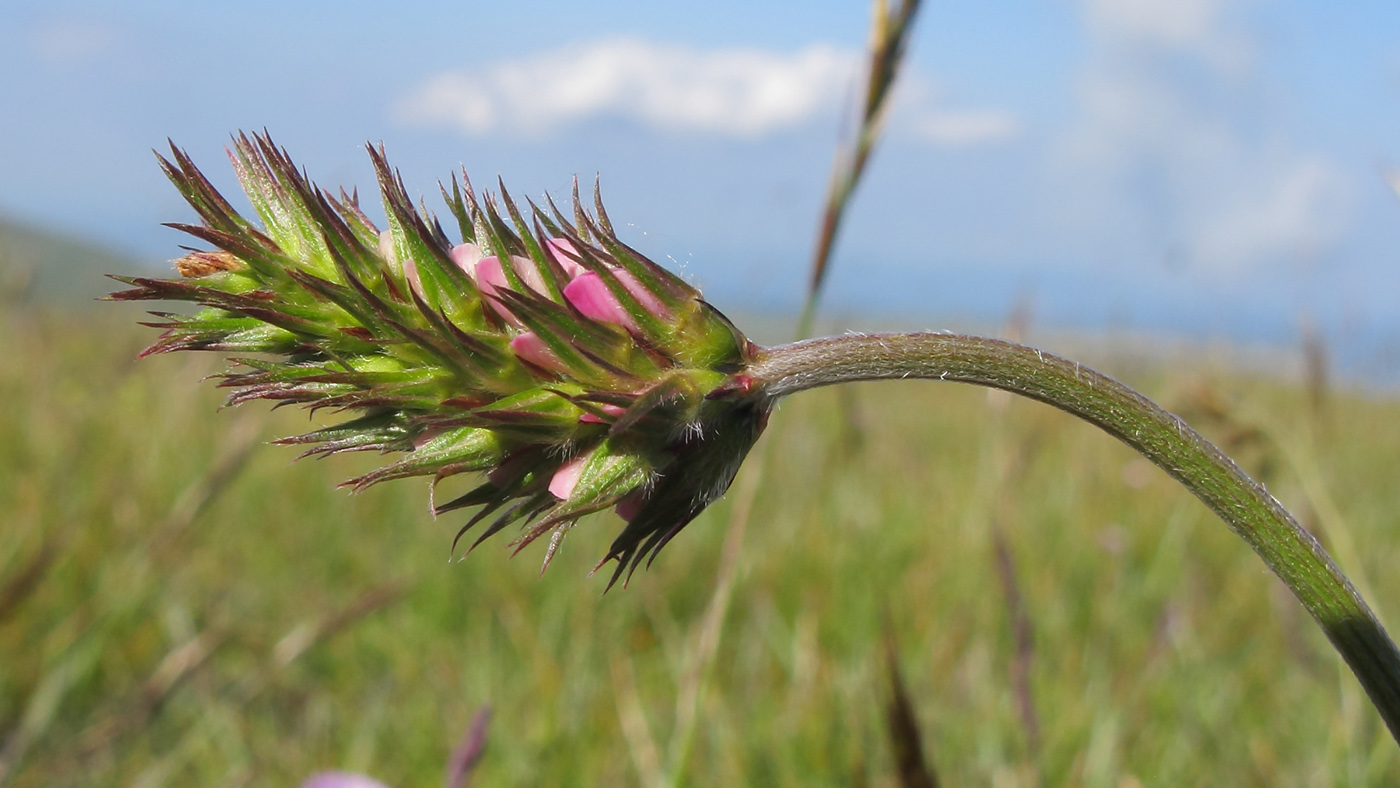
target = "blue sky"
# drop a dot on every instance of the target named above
(1214, 167)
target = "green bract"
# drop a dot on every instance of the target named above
(541, 350)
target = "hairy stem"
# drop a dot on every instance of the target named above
(1290, 551)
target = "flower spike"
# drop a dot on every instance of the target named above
(539, 350)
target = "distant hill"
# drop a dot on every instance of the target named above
(43, 266)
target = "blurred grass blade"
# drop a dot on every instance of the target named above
(45, 700)
(906, 740)
(1315, 373)
(646, 759)
(26, 581)
(890, 30)
(241, 439)
(1024, 656)
(711, 630)
(308, 633)
(468, 753)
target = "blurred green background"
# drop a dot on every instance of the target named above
(179, 605)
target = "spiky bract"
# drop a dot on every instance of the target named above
(541, 350)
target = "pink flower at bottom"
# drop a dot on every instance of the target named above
(341, 780)
(565, 479)
(632, 504)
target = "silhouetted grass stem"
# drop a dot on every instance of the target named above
(1288, 550)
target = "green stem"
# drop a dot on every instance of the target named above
(1289, 550)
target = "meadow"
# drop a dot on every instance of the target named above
(180, 604)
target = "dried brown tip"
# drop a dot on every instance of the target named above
(197, 264)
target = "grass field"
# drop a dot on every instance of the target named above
(180, 605)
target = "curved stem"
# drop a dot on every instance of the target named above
(1290, 551)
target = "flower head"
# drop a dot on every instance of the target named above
(576, 374)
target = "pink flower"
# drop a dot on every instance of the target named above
(611, 410)
(631, 504)
(425, 437)
(341, 780)
(566, 478)
(566, 255)
(466, 256)
(491, 277)
(513, 467)
(391, 256)
(386, 248)
(528, 347)
(585, 290)
(590, 295)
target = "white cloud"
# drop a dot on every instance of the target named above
(1291, 210)
(735, 92)
(1175, 23)
(924, 109)
(1197, 168)
(965, 128)
(72, 42)
(1197, 27)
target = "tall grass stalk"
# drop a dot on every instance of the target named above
(889, 36)
(890, 29)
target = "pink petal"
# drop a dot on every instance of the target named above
(611, 410)
(489, 274)
(631, 504)
(528, 347)
(410, 275)
(565, 479)
(645, 297)
(466, 257)
(511, 468)
(590, 295)
(592, 298)
(566, 255)
(408, 268)
(386, 247)
(426, 437)
(529, 274)
(490, 277)
(341, 780)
